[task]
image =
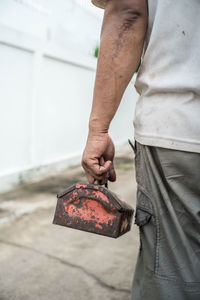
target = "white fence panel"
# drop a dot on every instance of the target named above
(64, 103)
(15, 108)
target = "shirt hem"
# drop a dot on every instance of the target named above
(169, 143)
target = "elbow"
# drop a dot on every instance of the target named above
(132, 9)
(128, 11)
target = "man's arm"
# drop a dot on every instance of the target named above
(122, 37)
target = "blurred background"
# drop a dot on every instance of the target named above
(48, 57)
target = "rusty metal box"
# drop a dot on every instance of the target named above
(93, 208)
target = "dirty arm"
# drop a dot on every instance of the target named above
(122, 37)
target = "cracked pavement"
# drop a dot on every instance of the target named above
(40, 261)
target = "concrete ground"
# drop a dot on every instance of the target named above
(40, 261)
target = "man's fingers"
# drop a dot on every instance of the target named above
(95, 171)
(93, 180)
(101, 161)
(112, 173)
(100, 172)
(95, 168)
(90, 178)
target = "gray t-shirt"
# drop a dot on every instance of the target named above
(168, 110)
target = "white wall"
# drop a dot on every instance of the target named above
(71, 24)
(45, 100)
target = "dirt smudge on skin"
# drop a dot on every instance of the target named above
(124, 29)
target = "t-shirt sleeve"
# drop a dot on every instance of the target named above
(99, 3)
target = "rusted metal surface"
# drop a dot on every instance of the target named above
(93, 208)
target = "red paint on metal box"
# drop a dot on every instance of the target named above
(101, 196)
(98, 226)
(91, 211)
(78, 185)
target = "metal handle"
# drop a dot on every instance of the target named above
(100, 183)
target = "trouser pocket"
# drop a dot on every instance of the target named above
(146, 221)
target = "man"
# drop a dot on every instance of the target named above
(166, 35)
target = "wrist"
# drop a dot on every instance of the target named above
(97, 127)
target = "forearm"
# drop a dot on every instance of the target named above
(122, 39)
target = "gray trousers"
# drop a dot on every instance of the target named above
(168, 216)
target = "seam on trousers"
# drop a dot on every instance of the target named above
(178, 281)
(157, 245)
(157, 238)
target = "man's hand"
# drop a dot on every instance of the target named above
(98, 158)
